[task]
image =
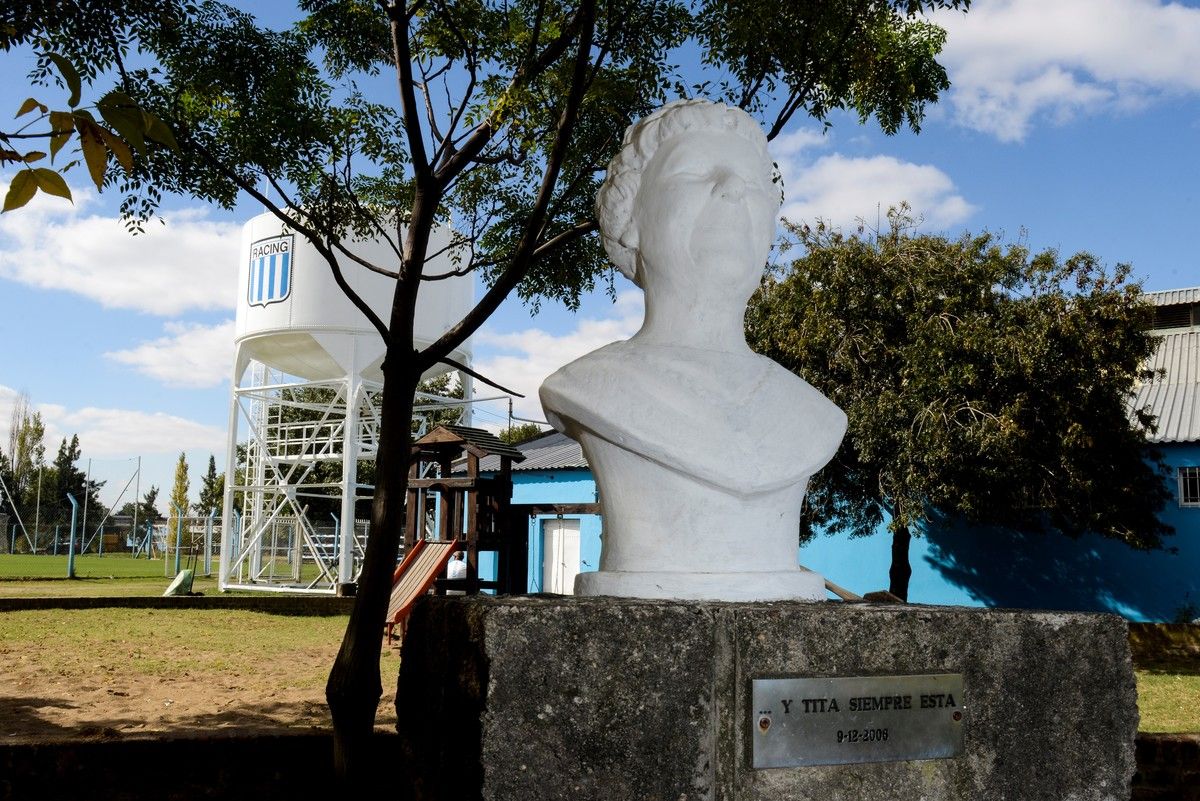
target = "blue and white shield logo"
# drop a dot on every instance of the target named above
(270, 270)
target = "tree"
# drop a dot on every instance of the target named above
(179, 496)
(212, 490)
(26, 449)
(148, 510)
(63, 478)
(979, 380)
(506, 116)
(97, 33)
(520, 432)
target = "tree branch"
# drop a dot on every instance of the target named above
(524, 255)
(311, 234)
(337, 243)
(570, 235)
(408, 100)
(462, 367)
(584, 15)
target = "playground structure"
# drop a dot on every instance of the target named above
(450, 506)
(306, 389)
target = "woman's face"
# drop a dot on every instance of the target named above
(705, 212)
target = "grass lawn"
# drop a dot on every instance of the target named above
(291, 655)
(1169, 697)
(25, 566)
(97, 588)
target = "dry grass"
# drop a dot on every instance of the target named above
(113, 672)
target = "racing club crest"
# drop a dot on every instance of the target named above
(270, 270)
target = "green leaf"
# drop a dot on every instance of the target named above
(158, 131)
(51, 183)
(22, 188)
(29, 105)
(118, 147)
(70, 76)
(34, 155)
(119, 111)
(94, 151)
(63, 124)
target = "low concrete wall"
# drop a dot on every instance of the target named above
(1168, 768)
(299, 605)
(299, 766)
(267, 766)
(590, 699)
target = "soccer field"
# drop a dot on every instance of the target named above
(25, 566)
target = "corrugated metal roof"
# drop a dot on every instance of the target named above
(1174, 398)
(1171, 297)
(551, 451)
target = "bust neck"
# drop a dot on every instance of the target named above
(691, 319)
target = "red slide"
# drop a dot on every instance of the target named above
(416, 573)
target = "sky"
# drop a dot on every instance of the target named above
(1071, 124)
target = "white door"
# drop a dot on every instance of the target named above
(560, 555)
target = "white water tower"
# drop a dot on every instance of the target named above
(305, 400)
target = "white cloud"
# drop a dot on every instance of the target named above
(841, 190)
(1014, 62)
(188, 263)
(521, 360)
(191, 355)
(118, 433)
(794, 142)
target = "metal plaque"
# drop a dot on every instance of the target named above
(837, 721)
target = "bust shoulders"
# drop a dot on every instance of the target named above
(739, 422)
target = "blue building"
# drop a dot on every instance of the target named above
(952, 563)
(554, 491)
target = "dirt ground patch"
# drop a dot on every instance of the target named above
(113, 673)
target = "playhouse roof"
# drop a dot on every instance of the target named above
(482, 443)
(551, 451)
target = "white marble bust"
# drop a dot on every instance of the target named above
(701, 448)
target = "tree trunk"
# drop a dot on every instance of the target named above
(354, 687)
(901, 570)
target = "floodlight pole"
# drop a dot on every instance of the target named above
(37, 513)
(178, 536)
(137, 502)
(71, 547)
(87, 491)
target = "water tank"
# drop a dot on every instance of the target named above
(293, 317)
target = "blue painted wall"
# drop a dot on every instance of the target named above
(956, 564)
(1000, 567)
(558, 486)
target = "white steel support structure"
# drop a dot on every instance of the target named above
(304, 406)
(304, 440)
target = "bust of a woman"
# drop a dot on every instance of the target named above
(701, 448)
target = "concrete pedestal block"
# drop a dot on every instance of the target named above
(527, 699)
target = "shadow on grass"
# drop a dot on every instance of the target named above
(1180, 667)
(25, 719)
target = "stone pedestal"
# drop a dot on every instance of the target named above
(527, 699)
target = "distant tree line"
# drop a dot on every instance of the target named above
(38, 489)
